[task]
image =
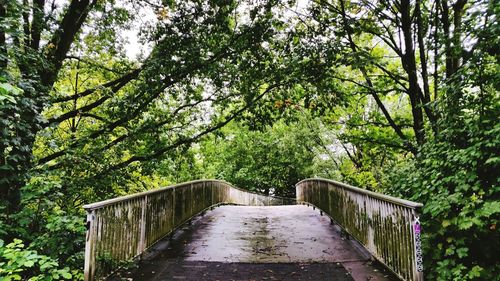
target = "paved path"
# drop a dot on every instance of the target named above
(257, 243)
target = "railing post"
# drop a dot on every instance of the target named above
(142, 238)
(89, 267)
(418, 273)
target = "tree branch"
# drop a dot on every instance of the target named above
(143, 102)
(37, 23)
(374, 94)
(123, 79)
(89, 62)
(160, 152)
(121, 82)
(62, 39)
(377, 141)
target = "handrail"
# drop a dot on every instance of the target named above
(122, 228)
(386, 226)
(387, 198)
(124, 198)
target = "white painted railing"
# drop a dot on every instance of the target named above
(386, 226)
(120, 229)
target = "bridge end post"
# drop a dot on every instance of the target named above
(89, 266)
(418, 272)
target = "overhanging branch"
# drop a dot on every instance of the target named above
(182, 141)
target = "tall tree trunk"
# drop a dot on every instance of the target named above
(409, 64)
(445, 21)
(28, 117)
(453, 44)
(421, 48)
(3, 46)
(458, 9)
(436, 49)
(26, 24)
(37, 23)
(426, 97)
(453, 48)
(369, 83)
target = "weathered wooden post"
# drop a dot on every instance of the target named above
(89, 266)
(418, 272)
(142, 226)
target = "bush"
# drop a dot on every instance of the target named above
(19, 263)
(456, 177)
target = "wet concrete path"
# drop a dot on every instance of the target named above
(257, 243)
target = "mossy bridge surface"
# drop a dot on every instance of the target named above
(211, 230)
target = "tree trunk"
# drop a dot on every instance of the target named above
(445, 20)
(3, 46)
(375, 96)
(409, 64)
(453, 47)
(436, 50)
(426, 97)
(458, 9)
(16, 164)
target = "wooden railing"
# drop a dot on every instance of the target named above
(120, 229)
(386, 226)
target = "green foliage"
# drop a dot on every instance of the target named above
(456, 177)
(270, 161)
(8, 92)
(20, 263)
(82, 122)
(232, 90)
(55, 231)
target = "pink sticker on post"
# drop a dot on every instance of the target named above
(416, 228)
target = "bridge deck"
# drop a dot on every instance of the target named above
(257, 243)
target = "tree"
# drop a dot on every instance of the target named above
(81, 121)
(196, 46)
(270, 161)
(262, 94)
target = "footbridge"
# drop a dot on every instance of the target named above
(212, 230)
